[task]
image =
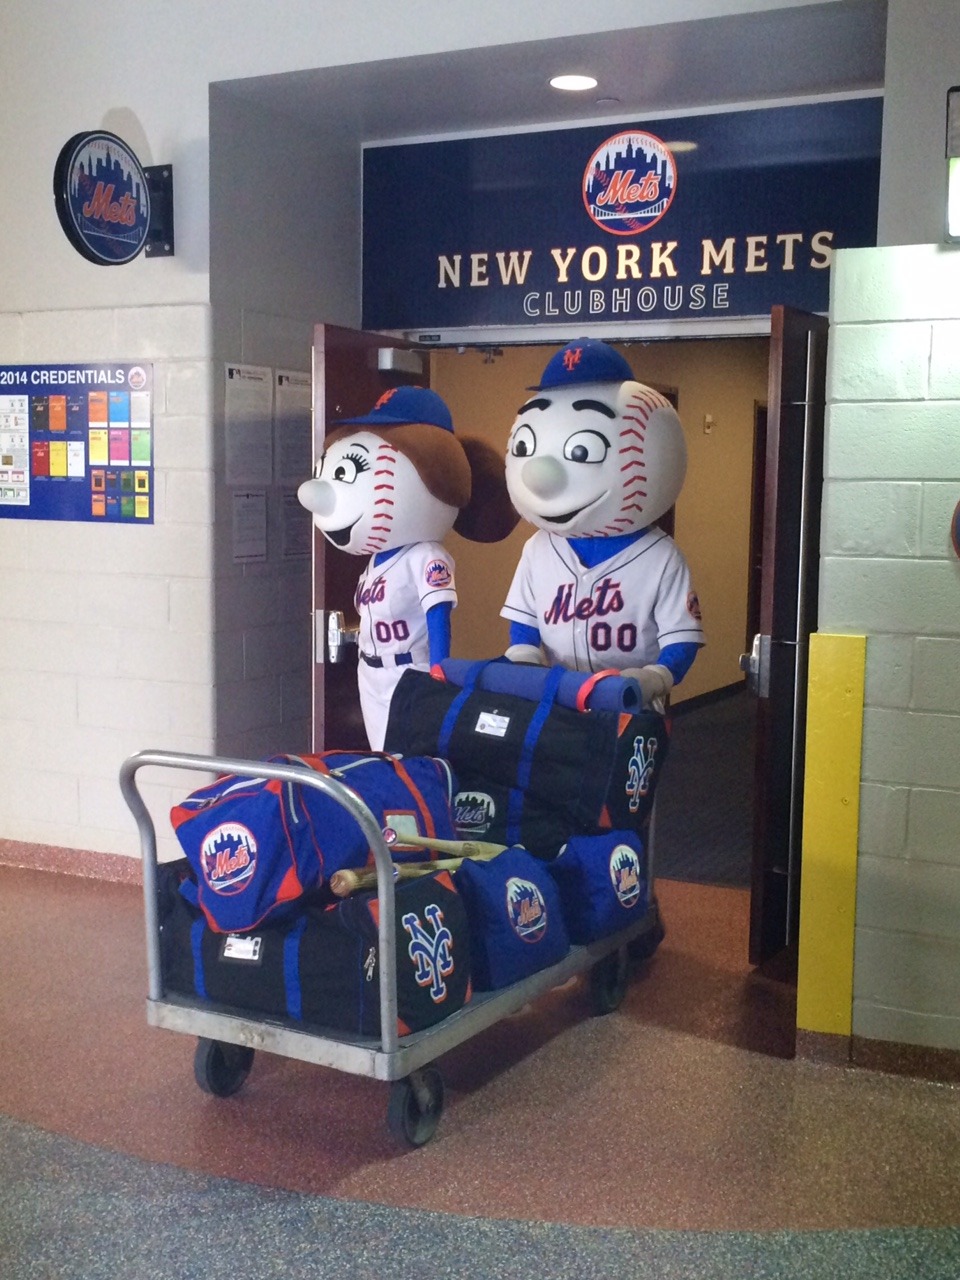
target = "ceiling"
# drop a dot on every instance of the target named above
(808, 50)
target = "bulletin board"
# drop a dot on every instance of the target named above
(76, 443)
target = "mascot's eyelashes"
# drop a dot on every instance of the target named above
(350, 466)
(586, 446)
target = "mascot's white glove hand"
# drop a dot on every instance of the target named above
(655, 683)
(525, 653)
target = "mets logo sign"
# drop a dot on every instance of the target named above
(228, 857)
(526, 909)
(625, 875)
(629, 183)
(102, 197)
(431, 953)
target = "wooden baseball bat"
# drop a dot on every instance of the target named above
(457, 848)
(343, 883)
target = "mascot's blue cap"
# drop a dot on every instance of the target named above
(403, 405)
(586, 360)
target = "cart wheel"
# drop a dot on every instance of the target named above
(642, 948)
(415, 1107)
(608, 982)
(220, 1068)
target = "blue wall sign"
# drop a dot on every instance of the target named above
(76, 442)
(102, 198)
(685, 218)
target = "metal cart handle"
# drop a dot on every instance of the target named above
(337, 791)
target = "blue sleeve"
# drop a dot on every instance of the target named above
(438, 631)
(520, 633)
(678, 659)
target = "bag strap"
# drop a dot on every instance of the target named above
(196, 949)
(588, 686)
(291, 970)
(453, 711)
(525, 763)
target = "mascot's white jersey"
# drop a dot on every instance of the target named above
(620, 613)
(392, 600)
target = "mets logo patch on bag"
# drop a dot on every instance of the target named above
(515, 917)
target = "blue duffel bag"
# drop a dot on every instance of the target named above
(515, 918)
(603, 883)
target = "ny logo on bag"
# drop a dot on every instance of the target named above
(640, 770)
(432, 953)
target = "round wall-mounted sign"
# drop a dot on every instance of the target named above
(955, 529)
(102, 198)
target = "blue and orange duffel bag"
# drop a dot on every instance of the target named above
(257, 845)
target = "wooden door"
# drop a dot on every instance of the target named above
(777, 668)
(349, 376)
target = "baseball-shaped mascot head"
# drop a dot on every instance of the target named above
(594, 453)
(399, 475)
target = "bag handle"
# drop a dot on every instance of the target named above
(525, 763)
(588, 686)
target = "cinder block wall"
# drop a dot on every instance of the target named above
(107, 631)
(892, 481)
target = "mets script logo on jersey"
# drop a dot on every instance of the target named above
(526, 909)
(629, 183)
(373, 593)
(625, 875)
(473, 812)
(228, 857)
(431, 953)
(606, 598)
(438, 574)
(640, 770)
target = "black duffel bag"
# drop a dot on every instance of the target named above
(530, 771)
(321, 967)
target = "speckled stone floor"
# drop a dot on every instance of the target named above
(674, 1137)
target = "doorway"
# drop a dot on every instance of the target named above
(703, 862)
(718, 384)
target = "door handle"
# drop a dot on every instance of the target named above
(339, 635)
(756, 666)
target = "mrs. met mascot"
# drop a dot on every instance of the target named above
(594, 459)
(390, 485)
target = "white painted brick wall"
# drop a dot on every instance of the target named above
(892, 481)
(106, 631)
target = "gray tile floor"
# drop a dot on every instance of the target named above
(69, 1211)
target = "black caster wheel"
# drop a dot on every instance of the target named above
(642, 948)
(415, 1107)
(608, 982)
(220, 1068)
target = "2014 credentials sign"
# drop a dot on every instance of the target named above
(102, 198)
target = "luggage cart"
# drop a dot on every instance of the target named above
(228, 1038)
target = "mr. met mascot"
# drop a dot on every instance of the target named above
(391, 490)
(594, 459)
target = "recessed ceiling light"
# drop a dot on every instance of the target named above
(574, 83)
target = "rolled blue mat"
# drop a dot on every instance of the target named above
(612, 693)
